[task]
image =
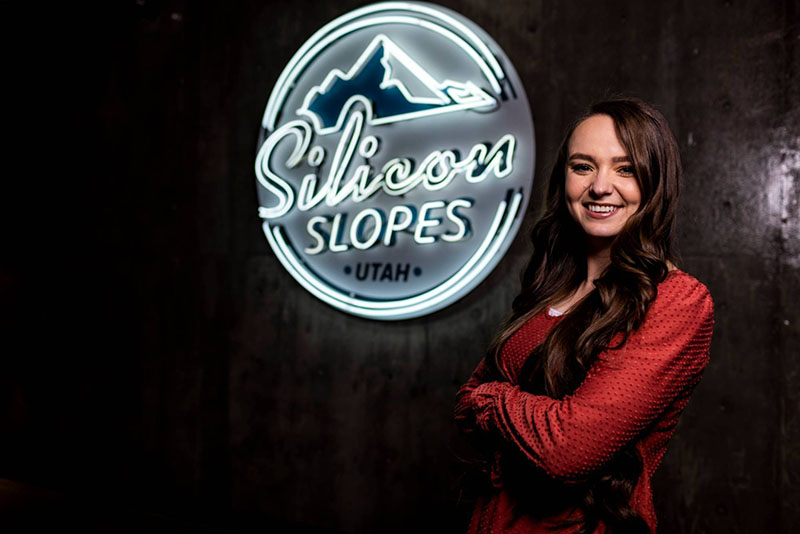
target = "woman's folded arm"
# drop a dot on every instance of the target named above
(623, 392)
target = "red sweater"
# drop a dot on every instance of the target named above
(635, 393)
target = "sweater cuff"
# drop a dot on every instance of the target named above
(484, 399)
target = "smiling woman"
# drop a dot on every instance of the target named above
(601, 187)
(577, 397)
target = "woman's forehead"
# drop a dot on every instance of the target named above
(596, 136)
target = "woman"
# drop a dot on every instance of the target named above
(577, 397)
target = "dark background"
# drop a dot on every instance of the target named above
(161, 371)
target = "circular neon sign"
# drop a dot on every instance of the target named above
(396, 160)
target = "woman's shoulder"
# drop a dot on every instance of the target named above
(677, 280)
(680, 291)
(680, 314)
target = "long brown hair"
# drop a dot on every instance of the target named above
(640, 255)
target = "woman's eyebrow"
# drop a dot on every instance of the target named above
(582, 156)
(616, 159)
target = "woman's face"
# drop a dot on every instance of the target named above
(602, 191)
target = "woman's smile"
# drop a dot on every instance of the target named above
(601, 211)
(601, 189)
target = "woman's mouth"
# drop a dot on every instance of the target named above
(601, 211)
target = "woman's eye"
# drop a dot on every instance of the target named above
(581, 168)
(626, 170)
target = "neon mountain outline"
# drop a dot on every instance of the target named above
(387, 100)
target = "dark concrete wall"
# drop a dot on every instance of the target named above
(161, 364)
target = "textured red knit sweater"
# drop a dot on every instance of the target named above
(635, 393)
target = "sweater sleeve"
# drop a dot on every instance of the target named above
(464, 415)
(623, 392)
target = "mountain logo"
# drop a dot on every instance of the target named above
(395, 160)
(380, 79)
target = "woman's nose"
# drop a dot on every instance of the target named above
(601, 184)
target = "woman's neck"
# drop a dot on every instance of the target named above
(598, 257)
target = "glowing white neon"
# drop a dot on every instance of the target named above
(317, 43)
(400, 218)
(397, 177)
(319, 244)
(341, 159)
(496, 161)
(495, 229)
(499, 229)
(501, 221)
(423, 222)
(307, 198)
(265, 175)
(440, 169)
(316, 156)
(394, 225)
(276, 99)
(336, 231)
(448, 95)
(459, 222)
(376, 229)
(368, 147)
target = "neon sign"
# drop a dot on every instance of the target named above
(396, 160)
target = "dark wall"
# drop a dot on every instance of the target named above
(161, 368)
